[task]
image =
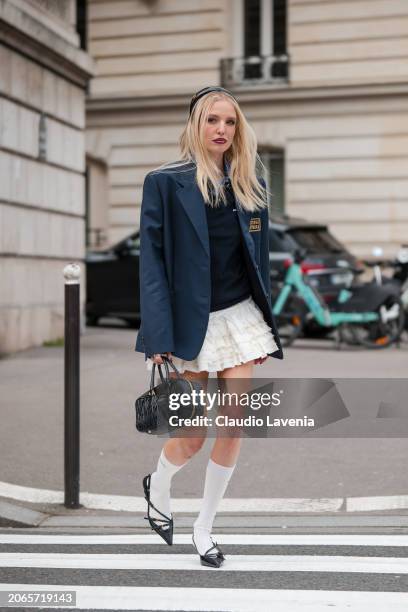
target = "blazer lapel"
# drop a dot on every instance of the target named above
(193, 203)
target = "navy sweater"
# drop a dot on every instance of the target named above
(229, 277)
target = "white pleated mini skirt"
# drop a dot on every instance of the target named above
(235, 335)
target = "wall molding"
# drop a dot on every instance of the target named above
(32, 39)
(282, 93)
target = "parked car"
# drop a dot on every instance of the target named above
(329, 266)
(112, 284)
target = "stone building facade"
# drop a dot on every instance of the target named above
(43, 79)
(323, 82)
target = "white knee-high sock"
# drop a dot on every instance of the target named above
(216, 481)
(160, 485)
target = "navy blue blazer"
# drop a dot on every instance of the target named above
(175, 281)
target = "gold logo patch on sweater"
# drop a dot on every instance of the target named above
(255, 224)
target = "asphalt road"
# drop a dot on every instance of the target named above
(304, 570)
(114, 457)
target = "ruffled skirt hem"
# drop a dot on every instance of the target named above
(235, 335)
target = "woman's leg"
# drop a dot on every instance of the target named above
(223, 458)
(175, 454)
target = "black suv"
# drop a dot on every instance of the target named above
(112, 276)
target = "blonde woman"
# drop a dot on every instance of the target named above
(205, 287)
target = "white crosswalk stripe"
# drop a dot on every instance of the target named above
(240, 569)
(226, 538)
(246, 563)
(233, 600)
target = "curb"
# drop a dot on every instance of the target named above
(12, 515)
(51, 501)
(17, 516)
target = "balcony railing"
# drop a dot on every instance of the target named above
(238, 71)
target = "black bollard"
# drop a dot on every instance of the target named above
(71, 387)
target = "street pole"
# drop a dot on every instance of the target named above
(71, 386)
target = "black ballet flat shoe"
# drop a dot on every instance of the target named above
(166, 534)
(211, 560)
(220, 554)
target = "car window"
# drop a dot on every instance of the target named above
(280, 241)
(317, 240)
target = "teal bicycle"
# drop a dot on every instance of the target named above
(365, 314)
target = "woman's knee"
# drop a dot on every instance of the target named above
(191, 446)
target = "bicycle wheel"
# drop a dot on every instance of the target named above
(384, 332)
(347, 334)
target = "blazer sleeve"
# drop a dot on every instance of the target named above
(155, 303)
(265, 263)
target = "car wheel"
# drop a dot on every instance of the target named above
(133, 323)
(92, 320)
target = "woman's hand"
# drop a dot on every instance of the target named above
(157, 358)
(260, 360)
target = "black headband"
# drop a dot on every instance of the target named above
(204, 92)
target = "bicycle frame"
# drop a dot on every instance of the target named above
(294, 280)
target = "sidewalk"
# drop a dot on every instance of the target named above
(114, 456)
(26, 515)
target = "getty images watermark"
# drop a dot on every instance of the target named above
(237, 403)
(289, 408)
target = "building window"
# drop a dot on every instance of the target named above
(274, 162)
(279, 38)
(252, 38)
(81, 23)
(260, 43)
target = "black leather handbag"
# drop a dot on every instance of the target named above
(153, 407)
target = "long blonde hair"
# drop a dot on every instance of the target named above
(242, 157)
